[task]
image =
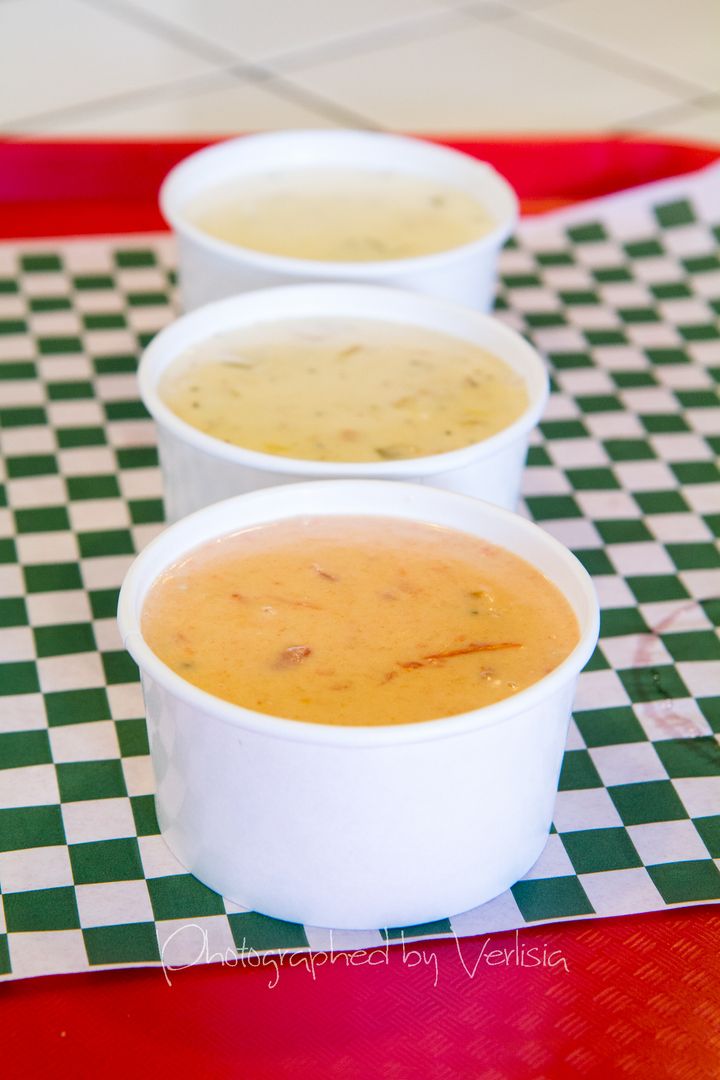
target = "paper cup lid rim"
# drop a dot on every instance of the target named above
(428, 464)
(302, 267)
(362, 735)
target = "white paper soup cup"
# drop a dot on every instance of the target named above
(357, 827)
(199, 469)
(211, 268)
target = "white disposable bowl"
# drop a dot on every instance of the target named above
(211, 268)
(357, 827)
(199, 469)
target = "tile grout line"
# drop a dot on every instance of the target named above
(346, 45)
(165, 29)
(231, 63)
(164, 91)
(281, 84)
(275, 70)
(368, 41)
(707, 101)
(289, 91)
(283, 87)
(167, 92)
(603, 56)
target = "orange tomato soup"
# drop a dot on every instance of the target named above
(357, 620)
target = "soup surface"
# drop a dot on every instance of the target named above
(341, 389)
(357, 620)
(340, 215)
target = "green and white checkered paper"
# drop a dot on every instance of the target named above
(622, 296)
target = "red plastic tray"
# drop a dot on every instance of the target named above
(62, 188)
(626, 997)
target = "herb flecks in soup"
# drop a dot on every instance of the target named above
(357, 620)
(339, 389)
(340, 215)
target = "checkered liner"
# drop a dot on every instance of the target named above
(622, 297)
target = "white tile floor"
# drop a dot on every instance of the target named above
(77, 67)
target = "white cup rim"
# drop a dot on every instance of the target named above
(172, 211)
(169, 546)
(153, 364)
